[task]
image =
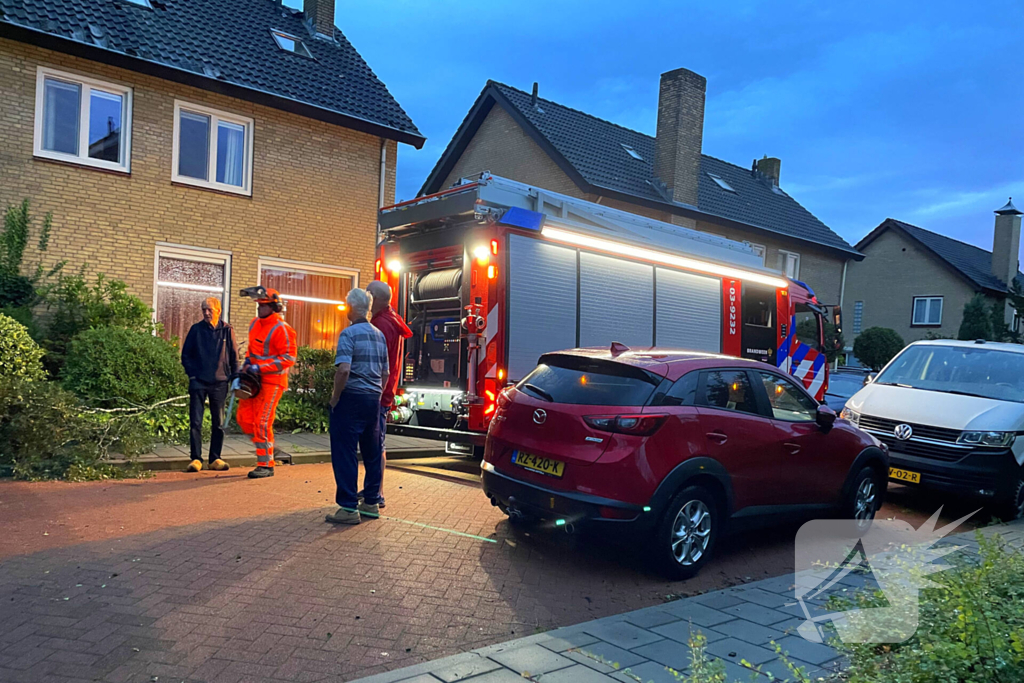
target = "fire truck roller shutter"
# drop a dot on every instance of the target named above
(542, 302)
(689, 309)
(616, 301)
(439, 284)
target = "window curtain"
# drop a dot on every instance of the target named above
(61, 110)
(316, 324)
(178, 307)
(230, 153)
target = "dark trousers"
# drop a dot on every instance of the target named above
(198, 394)
(355, 422)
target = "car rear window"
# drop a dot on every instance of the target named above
(589, 382)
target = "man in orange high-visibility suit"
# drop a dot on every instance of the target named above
(271, 353)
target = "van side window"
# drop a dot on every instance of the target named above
(683, 392)
(729, 390)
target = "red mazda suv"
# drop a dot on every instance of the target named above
(677, 444)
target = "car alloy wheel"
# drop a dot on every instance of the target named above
(864, 501)
(691, 532)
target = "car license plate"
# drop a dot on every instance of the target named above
(552, 468)
(904, 475)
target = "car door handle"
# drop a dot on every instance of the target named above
(793, 448)
(717, 437)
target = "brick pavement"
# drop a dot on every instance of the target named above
(216, 578)
(739, 623)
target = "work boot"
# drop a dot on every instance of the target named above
(194, 466)
(344, 516)
(362, 498)
(261, 472)
(372, 511)
(219, 465)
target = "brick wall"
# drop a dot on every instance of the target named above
(893, 272)
(314, 185)
(502, 147)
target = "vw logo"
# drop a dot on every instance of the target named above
(540, 416)
(903, 432)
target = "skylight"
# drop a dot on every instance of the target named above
(631, 152)
(721, 182)
(143, 3)
(291, 44)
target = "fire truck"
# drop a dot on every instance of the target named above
(491, 273)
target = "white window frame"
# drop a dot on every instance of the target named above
(760, 250)
(187, 253)
(784, 258)
(927, 310)
(303, 266)
(216, 116)
(87, 84)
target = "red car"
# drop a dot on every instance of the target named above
(677, 444)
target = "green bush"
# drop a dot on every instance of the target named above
(971, 626)
(306, 404)
(74, 306)
(876, 346)
(20, 357)
(114, 367)
(45, 434)
(18, 290)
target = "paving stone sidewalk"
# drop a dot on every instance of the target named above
(740, 623)
(296, 449)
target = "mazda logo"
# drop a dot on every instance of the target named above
(540, 416)
(903, 432)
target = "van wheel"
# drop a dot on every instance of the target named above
(1012, 508)
(864, 498)
(686, 535)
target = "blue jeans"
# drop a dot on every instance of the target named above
(355, 422)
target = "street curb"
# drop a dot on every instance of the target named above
(178, 464)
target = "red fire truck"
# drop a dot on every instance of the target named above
(492, 273)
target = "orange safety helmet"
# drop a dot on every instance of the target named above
(263, 295)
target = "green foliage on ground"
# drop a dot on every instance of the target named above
(876, 346)
(971, 626)
(20, 356)
(977, 320)
(306, 404)
(45, 433)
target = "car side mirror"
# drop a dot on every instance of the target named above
(825, 417)
(869, 378)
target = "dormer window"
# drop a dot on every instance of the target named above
(720, 181)
(291, 44)
(632, 152)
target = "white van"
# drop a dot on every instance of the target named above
(952, 414)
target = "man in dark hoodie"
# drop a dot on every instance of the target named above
(210, 357)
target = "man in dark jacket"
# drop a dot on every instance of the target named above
(210, 357)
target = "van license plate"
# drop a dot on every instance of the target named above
(904, 475)
(552, 468)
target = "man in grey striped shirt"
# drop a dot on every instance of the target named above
(362, 372)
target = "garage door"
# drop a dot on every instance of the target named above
(542, 302)
(689, 311)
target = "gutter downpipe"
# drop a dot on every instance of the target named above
(380, 193)
(842, 295)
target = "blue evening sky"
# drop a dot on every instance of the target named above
(910, 110)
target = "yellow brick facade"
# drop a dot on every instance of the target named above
(315, 186)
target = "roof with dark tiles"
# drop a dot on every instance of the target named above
(594, 148)
(228, 41)
(971, 262)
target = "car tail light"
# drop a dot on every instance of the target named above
(636, 425)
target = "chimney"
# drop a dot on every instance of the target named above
(533, 97)
(1006, 243)
(680, 135)
(770, 167)
(320, 13)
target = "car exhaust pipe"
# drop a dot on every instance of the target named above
(570, 528)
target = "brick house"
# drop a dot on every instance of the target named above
(195, 147)
(917, 282)
(518, 135)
